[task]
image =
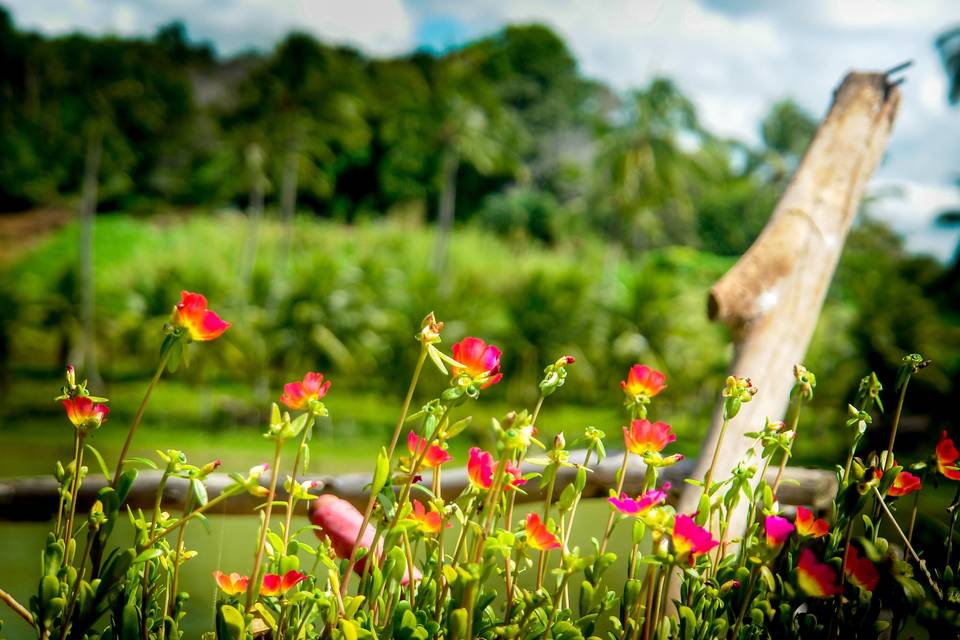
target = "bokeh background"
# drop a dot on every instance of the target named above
(558, 178)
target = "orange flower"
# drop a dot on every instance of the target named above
(689, 540)
(817, 579)
(480, 468)
(84, 413)
(807, 526)
(904, 484)
(480, 361)
(860, 570)
(192, 314)
(643, 381)
(644, 437)
(426, 521)
(275, 585)
(947, 455)
(298, 395)
(538, 536)
(435, 455)
(231, 584)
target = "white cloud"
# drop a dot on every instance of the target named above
(380, 27)
(734, 58)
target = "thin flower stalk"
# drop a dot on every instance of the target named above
(265, 528)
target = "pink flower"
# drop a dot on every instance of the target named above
(689, 540)
(231, 584)
(513, 478)
(275, 585)
(807, 526)
(643, 436)
(480, 468)
(860, 570)
(297, 395)
(778, 530)
(636, 508)
(538, 536)
(435, 455)
(947, 455)
(817, 579)
(643, 381)
(192, 314)
(904, 484)
(480, 361)
(84, 413)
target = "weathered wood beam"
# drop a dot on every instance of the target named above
(771, 298)
(35, 498)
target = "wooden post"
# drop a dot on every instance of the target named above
(771, 298)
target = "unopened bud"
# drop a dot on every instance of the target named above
(559, 442)
(71, 376)
(430, 330)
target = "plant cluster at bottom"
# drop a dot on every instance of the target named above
(485, 564)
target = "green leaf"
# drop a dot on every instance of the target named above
(147, 462)
(99, 458)
(199, 491)
(382, 471)
(231, 623)
(148, 554)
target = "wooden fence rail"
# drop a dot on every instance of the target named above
(35, 498)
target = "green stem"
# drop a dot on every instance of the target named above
(291, 499)
(187, 518)
(139, 416)
(707, 479)
(953, 523)
(18, 608)
(913, 514)
(913, 553)
(613, 514)
(794, 421)
(74, 489)
(253, 584)
(888, 463)
(746, 603)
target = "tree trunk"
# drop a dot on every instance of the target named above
(88, 209)
(254, 214)
(446, 207)
(771, 298)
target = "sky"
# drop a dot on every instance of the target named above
(734, 58)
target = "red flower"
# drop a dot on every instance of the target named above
(192, 314)
(298, 395)
(817, 579)
(426, 521)
(689, 540)
(860, 571)
(777, 530)
(84, 413)
(904, 484)
(513, 478)
(538, 536)
(807, 526)
(643, 381)
(340, 522)
(636, 508)
(480, 468)
(947, 455)
(231, 584)
(435, 455)
(275, 585)
(644, 436)
(480, 361)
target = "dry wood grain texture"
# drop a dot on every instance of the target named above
(772, 297)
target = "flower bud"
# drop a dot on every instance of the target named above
(430, 330)
(559, 442)
(71, 376)
(209, 468)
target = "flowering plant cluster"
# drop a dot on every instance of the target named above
(419, 560)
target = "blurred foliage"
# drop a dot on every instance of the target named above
(590, 221)
(352, 298)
